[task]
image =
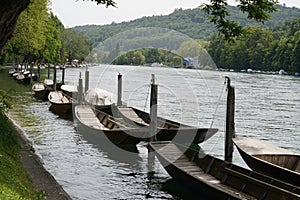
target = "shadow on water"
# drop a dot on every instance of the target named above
(180, 191)
(126, 154)
(65, 116)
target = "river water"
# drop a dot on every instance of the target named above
(267, 107)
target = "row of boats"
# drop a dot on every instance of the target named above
(23, 74)
(275, 171)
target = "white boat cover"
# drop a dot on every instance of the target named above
(69, 88)
(99, 97)
(48, 82)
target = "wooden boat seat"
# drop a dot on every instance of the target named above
(87, 116)
(249, 179)
(64, 99)
(171, 151)
(132, 115)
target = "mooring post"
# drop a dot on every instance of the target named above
(54, 78)
(63, 75)
(80, 89)
(153, 108)
(31, 72)
(39, 73)
(87, 80)
(230, 126)
(48, 71)
(153, 125)
(119, 102)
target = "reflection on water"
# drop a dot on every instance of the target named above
(267, 107)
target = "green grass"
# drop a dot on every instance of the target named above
(15, 182)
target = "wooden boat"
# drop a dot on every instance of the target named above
(41, 91)
(101, 128)
(29, 78)
(20, 78)
(70, 90)
(99, 122)
(61, 103)
(166, 129)
(268, 159)
(213, 178)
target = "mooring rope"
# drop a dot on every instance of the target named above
(149, 86)
(217, 107)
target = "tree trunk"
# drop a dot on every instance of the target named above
(9, 13)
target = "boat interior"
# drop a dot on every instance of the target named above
(291, 162)
(226, 176)
(111, 122)
(142, 118)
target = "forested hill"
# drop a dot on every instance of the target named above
(192, 22)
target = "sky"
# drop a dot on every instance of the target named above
(78, 12)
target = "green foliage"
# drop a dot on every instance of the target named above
(260, 49)
(14, 181)
(29, 37)
(192, 22)
(75, 45)
(40, 36)
(257, 10)
(52, 49)
(106, 2)
(4, 101)
(149, 56)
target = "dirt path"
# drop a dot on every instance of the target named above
(32, 163)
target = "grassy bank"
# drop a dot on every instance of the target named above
(15, 182)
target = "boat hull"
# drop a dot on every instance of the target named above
(167, 130)
(253, 151)
(61, 109)
(217, 179)
(42, 95)
(272, 170)
(41, 91)
(105, 138)
(60, 103)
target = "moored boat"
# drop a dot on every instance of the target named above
(61, 103)
(166, 129)
(20, 78)
(268, 159)
(98, 122)
(100, 129)
(213, 178)
(41, 91)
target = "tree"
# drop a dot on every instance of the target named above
(76, 45)
(10, 11)
(36, 36)
(295, 56)
(257, 10)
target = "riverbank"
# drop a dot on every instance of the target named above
(23, 176)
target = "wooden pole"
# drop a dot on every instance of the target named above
(119, 102)
(31, 72)
(54, 78)
(153, 109)
(153, 125)
(39, 73)
(230, 126)
(80, 89)
(87, 80)
(63, 75)
(48, 71)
